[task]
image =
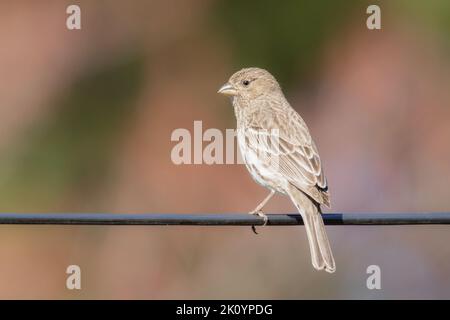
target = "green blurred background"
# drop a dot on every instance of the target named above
(86, 118)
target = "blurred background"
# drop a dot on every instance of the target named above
(86, 118)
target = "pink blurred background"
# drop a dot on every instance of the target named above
(86, 118)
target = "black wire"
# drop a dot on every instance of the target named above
(222, 219)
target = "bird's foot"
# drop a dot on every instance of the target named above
(261, 214)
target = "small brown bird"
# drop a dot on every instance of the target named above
(280, 154)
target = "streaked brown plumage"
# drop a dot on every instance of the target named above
(280, 154)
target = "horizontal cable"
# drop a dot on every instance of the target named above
(221, 219)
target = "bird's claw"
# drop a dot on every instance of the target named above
(261, 214)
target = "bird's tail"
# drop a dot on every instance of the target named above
(321, 255)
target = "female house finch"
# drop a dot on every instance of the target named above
(280, 154)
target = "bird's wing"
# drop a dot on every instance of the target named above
(286, 142)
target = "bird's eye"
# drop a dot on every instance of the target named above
(245, 82)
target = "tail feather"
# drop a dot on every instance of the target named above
(321, 254)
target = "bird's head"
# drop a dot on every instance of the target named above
(250, 83)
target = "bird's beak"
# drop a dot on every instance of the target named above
(228, 90)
